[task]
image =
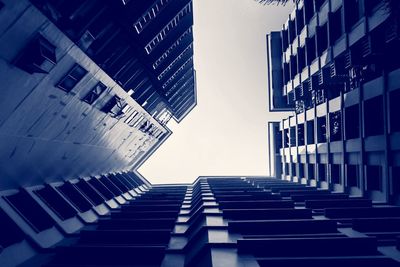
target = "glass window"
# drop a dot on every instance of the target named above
(72, 78)
(95, 93)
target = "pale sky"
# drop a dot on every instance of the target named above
(226, 134)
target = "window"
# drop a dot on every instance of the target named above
(149, 15)
(335, 174)
(374, 178)
(335, 24)
(311, 51)
(301, 170)
(321, 129)
(294, 170)
(171, 48)
(373, 116)
(75, 197)
(72, 78)
(101, 188)
(322, 172)
(311, 171)
(30, 211)
(301, 58)
(394, 110)
(335, 123)
(115, 106)
(285, 39)
(322, 38)
(56, 202)
(352, 122)
(293, 136)
(310, 132)
(309, 10)
(91, 194)
(353, 179)
(300, 20)
(170, 66)
(9, 231)
(39, 56)
(168, 28)
(300, 134)
(95, 93)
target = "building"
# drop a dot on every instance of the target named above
(339, 72)
(118, 220)
(89, 85)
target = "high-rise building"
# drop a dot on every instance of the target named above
(335, 63)
(217, 221)
(89, 85)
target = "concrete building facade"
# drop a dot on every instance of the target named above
(88, 86)
(340, 75)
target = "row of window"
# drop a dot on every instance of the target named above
(373, 121)
(167, 29)
(171, 48)
(149, 15)
(373, 174)
(176, 87)
(176, 73)
(170, 66)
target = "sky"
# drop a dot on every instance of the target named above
(226, 133)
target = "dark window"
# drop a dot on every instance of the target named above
(322, 38)
(91, 194)
(335, 123)
(293, 67)
(321, 129)
(311, 50)
(74, 75)
(38, 56)
(353, 10)
(285, 41)
(353, 176)
(374, 178)
(95, 93)
(394, 110)
(311, 171)
(352, 122)
(75, 197)
(56, 202)
(118, 183)
(292, 31)
(301, 170)
(300, 134)
(301, 58)
(335, 174)
(110, 185)
(293, 136)
(115, 106)
(318, 4)
(300, 20)
(9, 231)
(335, 25)
(30, 211)
(373, 116)
(136, 179)
(287, 170)
(278, 141)
(286, 137)
(309, 10)
(310, 132)
(322, 172)
(294, 170)
(101, 188)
